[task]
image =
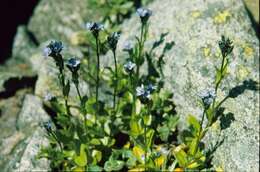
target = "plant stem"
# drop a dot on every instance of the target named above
(77, 88)
(140, 53)
(200, 130)
(145, 132)
(97, 81)
(217, 84)
(82, 106)
(116, 76)
(145, 150)
(133, 92)
(62, 81)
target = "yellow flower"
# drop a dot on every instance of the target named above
(159, 161)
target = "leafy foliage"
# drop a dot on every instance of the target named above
(139, 132)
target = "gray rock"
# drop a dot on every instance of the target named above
(31, 114)
(19, 150)
(59, 19)
(23, 46)
(196, 27)
(29, 161)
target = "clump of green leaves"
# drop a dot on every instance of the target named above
(138, 132)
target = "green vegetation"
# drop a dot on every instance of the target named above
(137, 130)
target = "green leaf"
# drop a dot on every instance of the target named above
(193, 146)
(136, 127)
(147, 119)
(95, 141)
(218, 76)
(81, 160)
(128, 97)
(194, 122)
(172, 122)
(94, 168)
(138, 107)
(97, 156)
(63, 137)
(164, 132)
(107, 141)
(149, 137)
(209, 114)
(107, 128)
(114, 165)
(181, 156)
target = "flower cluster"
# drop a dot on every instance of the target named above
(144, 14)
(113, 40)
(95, 28)
(129, 67)
(207, 97)
(73, 64)
(144, 92)
(53, 49)
(225, 46)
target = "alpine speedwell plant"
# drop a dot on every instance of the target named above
(138, 131)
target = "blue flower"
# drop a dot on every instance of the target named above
(53, 49)
(95, 28)
(73, 64)
(144, 14)
(113, 40)
(129, 66)
(207, 97)
(151, 88)
(128, 46)
(145, 92)
(140, 91)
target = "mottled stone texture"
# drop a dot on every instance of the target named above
(19, 150)
(59, 19)
(196, 27)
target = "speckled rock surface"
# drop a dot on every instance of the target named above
(59, 19)
(196, 27)
(19, 149)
